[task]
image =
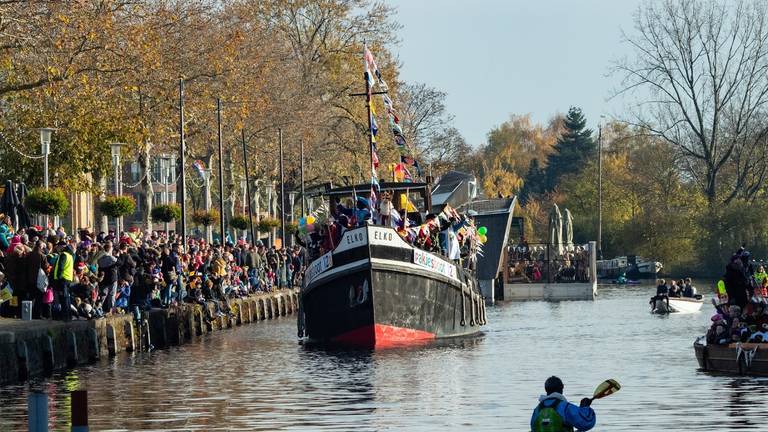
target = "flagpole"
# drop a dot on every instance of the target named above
(370, 122)
(182, 151)
(221, 172)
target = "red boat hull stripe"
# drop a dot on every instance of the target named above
(382, 336)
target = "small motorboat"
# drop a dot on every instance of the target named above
(665, 305)
(626, 282)
(735, 358)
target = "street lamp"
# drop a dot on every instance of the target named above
(45, 149)
(115, 149)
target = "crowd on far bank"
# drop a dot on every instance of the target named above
(88, 275)
(741, 302)
(527, 263)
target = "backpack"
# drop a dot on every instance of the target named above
(549, 420)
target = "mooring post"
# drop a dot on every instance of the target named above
(80, 411)
(37, 407)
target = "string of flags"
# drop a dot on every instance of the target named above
(401, 171)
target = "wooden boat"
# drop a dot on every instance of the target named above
(374, 290)
(736, 358)
(677, 305)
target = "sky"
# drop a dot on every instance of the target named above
(500, 57)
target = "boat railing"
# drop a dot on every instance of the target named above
(545, 263)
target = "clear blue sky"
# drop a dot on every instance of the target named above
(499, 57)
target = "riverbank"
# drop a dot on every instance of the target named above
(37, 348)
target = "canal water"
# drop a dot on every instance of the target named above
(257, 377)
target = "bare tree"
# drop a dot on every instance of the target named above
(699, 72)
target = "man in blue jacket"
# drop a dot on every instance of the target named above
(555, 414)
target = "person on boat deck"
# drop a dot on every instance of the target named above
(555, 413)
(362, 212)
(622, 279)
(760, 276)
(737, 280)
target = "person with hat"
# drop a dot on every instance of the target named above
(555, 414)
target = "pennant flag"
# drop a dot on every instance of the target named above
(200, 168)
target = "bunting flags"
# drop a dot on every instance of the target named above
(374, 79)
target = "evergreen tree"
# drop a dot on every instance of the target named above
(535, 181)
(573, 150)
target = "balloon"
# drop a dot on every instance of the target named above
(302, 221)
(302, 229)
(310, 220)
(483, 239)
(310, 228)
(482, 231)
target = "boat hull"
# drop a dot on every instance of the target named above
(736, 358)
(376, 296)
(676, 305)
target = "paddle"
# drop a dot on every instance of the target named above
(606, 388)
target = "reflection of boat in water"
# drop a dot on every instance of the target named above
(633, 267)
(376, 290)
(736, 358)
(676, 305)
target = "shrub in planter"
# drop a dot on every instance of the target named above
(205, 218)
(47, 202)
(240, 222)
(166, 213)
(117, 205)
(267, 224)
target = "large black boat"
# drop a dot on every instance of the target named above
(376, 290)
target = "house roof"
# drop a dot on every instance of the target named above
(448, 189)
(496, 216)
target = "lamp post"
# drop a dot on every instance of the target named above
(165, 175)
(207, 203)
(115, 149)
(45, 149)
(600, 190)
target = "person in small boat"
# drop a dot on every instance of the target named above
(554, 413)
(674, 290)
(662, 294)
(689, 290)
(622, 279)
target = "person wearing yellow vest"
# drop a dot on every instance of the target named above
(63, 274)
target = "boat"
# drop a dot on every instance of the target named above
(631, 266)
(676, 305)
(375, 290)
(735, 358)
(626, 282)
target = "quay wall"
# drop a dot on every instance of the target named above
(36, 348)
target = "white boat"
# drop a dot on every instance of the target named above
(676, 305)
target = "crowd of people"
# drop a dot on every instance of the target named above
(88, 275)
(741, 302)
(530, 264)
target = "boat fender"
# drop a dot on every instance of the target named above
(744, 358)
(463, 309)
(472, 310)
